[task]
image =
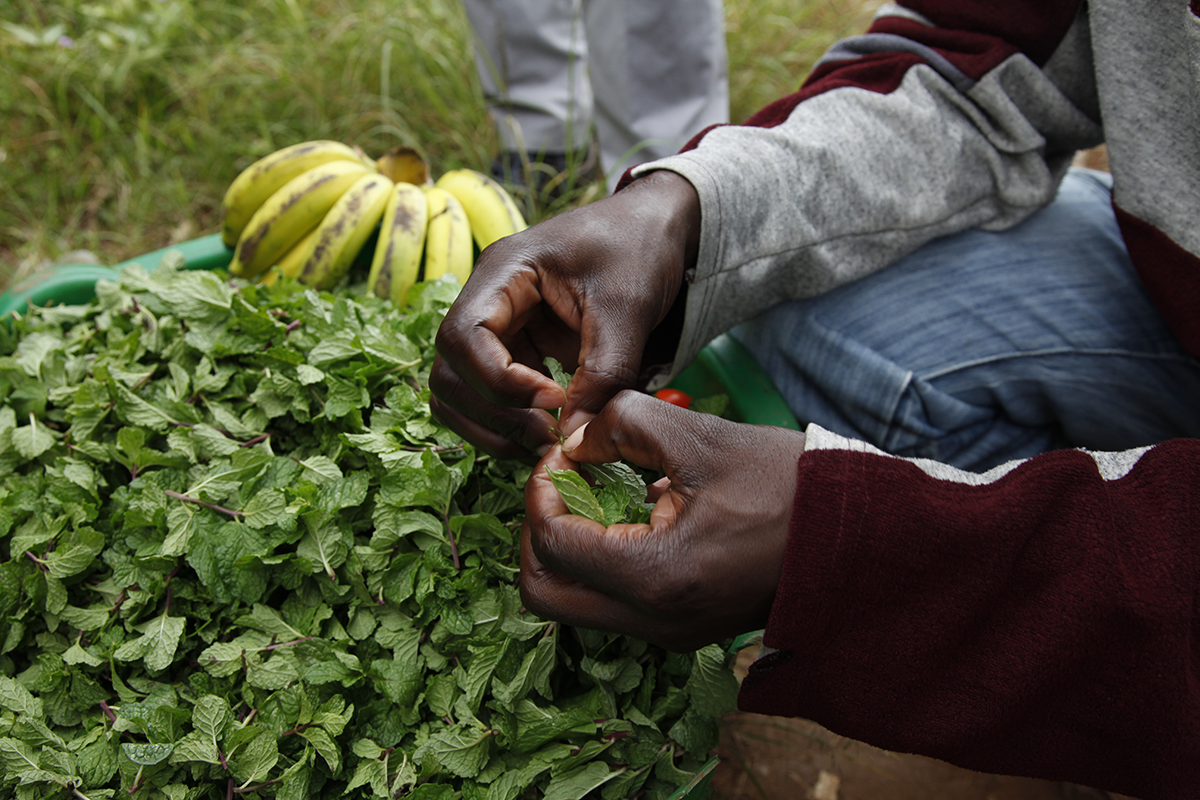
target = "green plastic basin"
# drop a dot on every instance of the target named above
(71, 284)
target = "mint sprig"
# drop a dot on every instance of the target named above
(619, 494)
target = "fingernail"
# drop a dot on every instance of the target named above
(548, 398)
(574, 440)
(576, 420)
(541, 451)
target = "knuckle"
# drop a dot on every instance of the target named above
(532, 597)
(451, 336)
(625, 407)
(612, 375)
(443, 380)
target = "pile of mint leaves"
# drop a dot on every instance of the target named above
(241, 559)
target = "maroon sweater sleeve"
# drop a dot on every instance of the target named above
(1042, 623)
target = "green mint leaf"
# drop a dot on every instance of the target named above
(479, 674)
(613, 500)
(575, 784)
(577, 494)
(321, 468)
(256, 759)
(712, 688)
(157, 644)
(17, 756)
(325, 747)
(16, 698)
(195, 295)
(534, 673)
(75, 654)
(147, 755)
(372, 773)
(211, 718)
(324, 545)
(560, 375)
(462, 749)
(717, 405)
(195, 747)
(75, 554)
(33, 439)
(697, 732)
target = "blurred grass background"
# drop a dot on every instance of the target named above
(122, 121)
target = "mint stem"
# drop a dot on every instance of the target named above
(453, 543)
(199, 502)
(286, 644)
(244, 790)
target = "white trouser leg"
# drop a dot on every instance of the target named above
(659, 75)
(532, 62)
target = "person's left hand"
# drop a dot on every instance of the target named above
(707, 565)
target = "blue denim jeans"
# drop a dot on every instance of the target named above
(984, 347)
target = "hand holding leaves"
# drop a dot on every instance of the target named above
(704, 566)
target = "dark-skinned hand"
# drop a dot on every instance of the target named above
(586, 287)
(707, 565)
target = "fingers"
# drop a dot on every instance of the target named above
(587, 287)
(642, 429)
(609, 364)
(500, 431)
(619, 560)
(501, 299)
(708, 563)
(555, 596)
(592, 586)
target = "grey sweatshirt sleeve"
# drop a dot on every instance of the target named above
(907, 133)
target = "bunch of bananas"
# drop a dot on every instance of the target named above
(308, 210)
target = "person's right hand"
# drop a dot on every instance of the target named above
(586, 287)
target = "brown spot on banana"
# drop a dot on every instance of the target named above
(248, 246)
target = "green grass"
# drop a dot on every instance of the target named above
(125, 141)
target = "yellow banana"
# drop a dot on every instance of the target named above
(292, 261)
(405, 165)
(290, 213)
(491, 210)
(397, 260)
(448, 245)
(251, 188)
(344, 230)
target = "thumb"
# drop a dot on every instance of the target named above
(609, 362)
(638, 428)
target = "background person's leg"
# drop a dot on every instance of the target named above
(531, 56)
(984, 347)
(659, 75)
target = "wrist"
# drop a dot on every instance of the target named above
(678, 203)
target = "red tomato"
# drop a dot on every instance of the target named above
(674, 397)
